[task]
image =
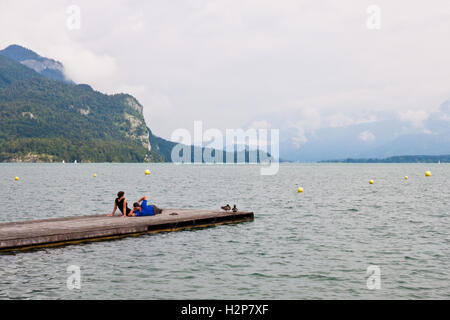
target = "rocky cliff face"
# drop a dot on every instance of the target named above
(138, 128)
(40, 66)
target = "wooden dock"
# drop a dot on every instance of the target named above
(62, 231)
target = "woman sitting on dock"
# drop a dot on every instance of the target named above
(144, 209)
(121, 203)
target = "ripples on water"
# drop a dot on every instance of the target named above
(314, 245)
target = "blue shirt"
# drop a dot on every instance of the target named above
(146, 210)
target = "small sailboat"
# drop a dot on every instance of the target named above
(63, 161)
(75, 161)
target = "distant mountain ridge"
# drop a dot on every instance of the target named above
(427, 132)
(49, 68)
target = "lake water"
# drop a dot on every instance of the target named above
(314, 245)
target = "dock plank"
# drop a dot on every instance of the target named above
(37, 233)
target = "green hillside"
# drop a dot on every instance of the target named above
(47, 120)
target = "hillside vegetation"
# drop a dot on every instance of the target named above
(48, 120)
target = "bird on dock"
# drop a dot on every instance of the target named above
(235, 209)
(226, 208)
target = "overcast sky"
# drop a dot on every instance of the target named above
(238, 63)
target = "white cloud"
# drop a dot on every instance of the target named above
(366, 136)
(260, 124)
(342, 120)
(84, 66)
(308, 121)
(158, 105)
(415, 117)
(444, 117)
(227, 61)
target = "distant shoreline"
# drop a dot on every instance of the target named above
(396, 159)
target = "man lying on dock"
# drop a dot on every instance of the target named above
(144, 209)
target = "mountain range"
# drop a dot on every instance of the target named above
(45, 116)
(380, 135)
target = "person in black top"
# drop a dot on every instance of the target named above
(121, 203)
